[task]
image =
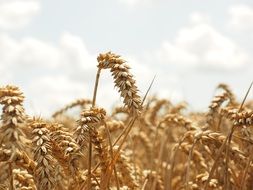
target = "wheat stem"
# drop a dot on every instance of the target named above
(90, 138)
(111, 152)
(96, 87)
(11, 176)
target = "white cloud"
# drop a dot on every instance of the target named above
(174, 54)
(46, 94)
(200, 44)
(197, 17)
(241, 17)
(5, 76)
(134, 3)
(36, 54)
(17, 13)
(129, 2)
(75, 53)
(52, 75)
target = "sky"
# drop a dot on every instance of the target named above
(49, 48)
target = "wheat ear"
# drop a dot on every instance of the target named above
(65, 149)
(123, 80)
(13, 119)
(45, 168)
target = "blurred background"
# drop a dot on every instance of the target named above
(49, 48)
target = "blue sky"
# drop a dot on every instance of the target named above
(49, 48)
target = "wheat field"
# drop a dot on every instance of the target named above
(146, 144)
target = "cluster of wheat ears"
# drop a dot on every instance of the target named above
(147, 144)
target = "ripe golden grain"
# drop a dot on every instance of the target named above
(166, 147)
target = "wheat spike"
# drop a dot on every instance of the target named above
(45, 168)
(123, 80)
(13, 118)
